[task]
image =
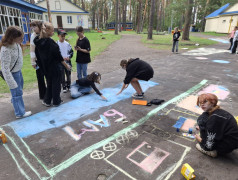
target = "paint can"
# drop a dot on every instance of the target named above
(177, 129)
(190, 130)
(3, 137)
(187, 171)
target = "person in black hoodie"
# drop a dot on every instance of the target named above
(50, 60)
(136, 69)
(218, 128)
(176, 36)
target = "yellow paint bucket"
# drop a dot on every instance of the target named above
(236, 119)
(187, 171)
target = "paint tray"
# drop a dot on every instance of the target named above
(187, 171)
(139, 102)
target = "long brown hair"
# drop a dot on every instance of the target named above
(94, 76)
(37, 23)
(10, 35)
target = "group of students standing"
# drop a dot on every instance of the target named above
(218, 129)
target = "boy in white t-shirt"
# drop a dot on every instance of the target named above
(67, 53)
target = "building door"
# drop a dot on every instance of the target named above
(59, 21)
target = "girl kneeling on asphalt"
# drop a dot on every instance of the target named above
(136, 69)
(84, 85)
(218, 128)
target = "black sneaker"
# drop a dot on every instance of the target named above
(47, 105)
(58, 104)
(64, 89)
(138, 96)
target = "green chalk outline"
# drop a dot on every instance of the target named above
(67, 163)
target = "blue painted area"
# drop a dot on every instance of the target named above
(220, 40)
(223, 88)
(218, 12)
(72, 110)
(106, 123)
(221, 61)
(179, 122)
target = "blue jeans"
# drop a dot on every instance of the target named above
(81, 69)
(17, 99)
(77, 91)
(175, 43)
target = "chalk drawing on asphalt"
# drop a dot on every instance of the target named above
(204, 51)
(111, 146)
(52, 172)
(150, 161)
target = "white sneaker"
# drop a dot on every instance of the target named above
(28, 113)
(209, 153)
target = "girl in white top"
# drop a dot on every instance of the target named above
(11, 63)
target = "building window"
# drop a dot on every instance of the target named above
(35, 17)
(69, 19)
(57, 5)
(9, 17)
(46, 18)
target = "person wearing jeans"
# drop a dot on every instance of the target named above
(176, 36)
(83, 53)
(11, 63)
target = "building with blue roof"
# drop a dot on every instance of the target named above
(65, 14)
(222, 20)
(19, 13)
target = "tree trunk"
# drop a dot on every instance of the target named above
(48, 9)
(205, 14)
(83, 4)
(116, 17)
(158, 16)
(144, 16)
(187, 23)
(139, 16)
(151, 20)
(124, 15)
(130, 12)
(93, 11)
(119, 15)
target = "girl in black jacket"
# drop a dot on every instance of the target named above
(136, 69)
(218, 128)
(50, 60)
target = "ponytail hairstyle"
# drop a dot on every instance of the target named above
(46, 29)
(10, 35)
(94, 76)
(37, 23)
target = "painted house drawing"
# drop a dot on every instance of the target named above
(19, 13)
(222, 20)
(65, 14)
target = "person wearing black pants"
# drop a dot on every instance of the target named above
(41, 83)
(50, 62)
(36, 27)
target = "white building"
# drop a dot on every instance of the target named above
(65, 14)
(222, 20)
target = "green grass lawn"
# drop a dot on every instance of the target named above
(163, 42)
(214, 34)
(98, 45)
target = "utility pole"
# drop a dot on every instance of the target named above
(49, 13)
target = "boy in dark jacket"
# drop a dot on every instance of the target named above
(218, 128)
(176, 36)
